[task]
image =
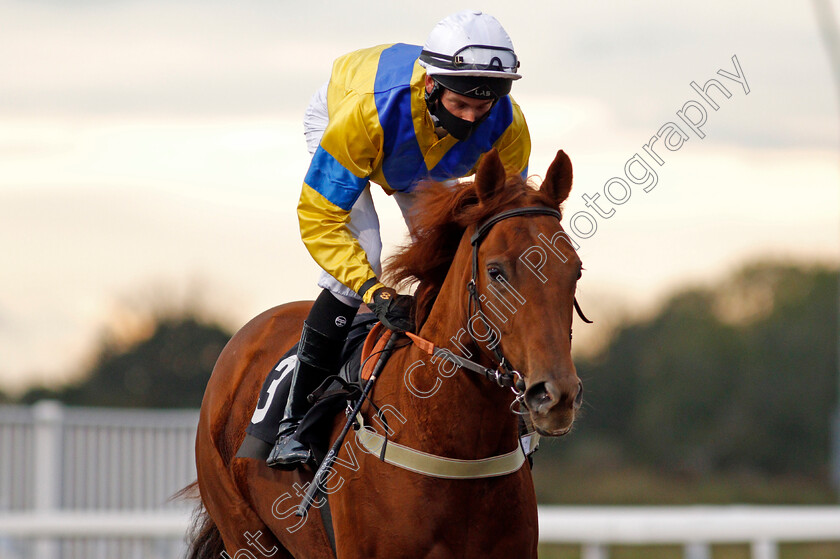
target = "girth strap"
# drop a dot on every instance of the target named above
(437, 466)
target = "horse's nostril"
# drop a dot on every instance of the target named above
(537, 397)
(542, 396)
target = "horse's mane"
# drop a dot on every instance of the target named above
(439, 217)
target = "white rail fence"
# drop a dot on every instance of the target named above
(593, 528)
(694, 527)
(85, 483)
(61, 465)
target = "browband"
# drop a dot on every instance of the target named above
(487, 225)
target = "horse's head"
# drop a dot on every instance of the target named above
(525, 273)
(501, 239)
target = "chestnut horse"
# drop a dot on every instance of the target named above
(510, 294)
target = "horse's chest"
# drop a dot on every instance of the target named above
(416, 517)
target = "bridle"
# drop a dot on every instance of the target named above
(504, 374)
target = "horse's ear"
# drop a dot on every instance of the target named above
(558, 179)
(490, 177)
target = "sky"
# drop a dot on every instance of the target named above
(153, 151)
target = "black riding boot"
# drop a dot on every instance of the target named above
(318, 357)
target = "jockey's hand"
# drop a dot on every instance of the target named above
(395, 311)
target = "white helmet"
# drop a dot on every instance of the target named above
(470, 43)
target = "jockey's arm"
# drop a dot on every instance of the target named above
(323, 228)
(337, 176)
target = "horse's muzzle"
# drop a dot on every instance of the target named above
(543, 396)
(553, 405)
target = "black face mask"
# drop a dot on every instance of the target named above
(459, 128)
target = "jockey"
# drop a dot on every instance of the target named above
(393, 115)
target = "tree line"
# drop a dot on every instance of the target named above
(741, 375)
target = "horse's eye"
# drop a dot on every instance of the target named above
(495, 273)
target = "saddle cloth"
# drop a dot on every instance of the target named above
(332, 397)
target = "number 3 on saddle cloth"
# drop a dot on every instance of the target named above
(331, 397)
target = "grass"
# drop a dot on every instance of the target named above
(590, 477)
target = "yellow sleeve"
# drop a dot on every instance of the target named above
(323, 228)
(514, 145)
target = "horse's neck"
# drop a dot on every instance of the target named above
(466, 413)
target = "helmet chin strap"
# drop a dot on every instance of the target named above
(459, 128)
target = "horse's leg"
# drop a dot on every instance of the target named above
(279, 494)
(238, 523)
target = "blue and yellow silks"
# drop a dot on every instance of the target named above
(380, 130)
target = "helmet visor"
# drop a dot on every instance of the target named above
(478, 87)
(474, 57)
